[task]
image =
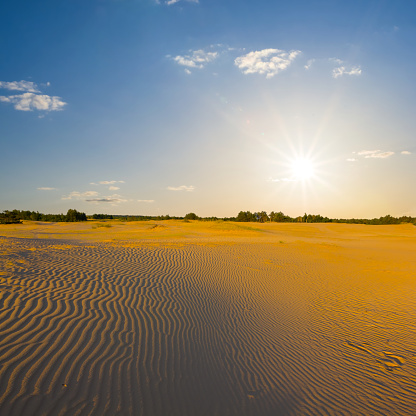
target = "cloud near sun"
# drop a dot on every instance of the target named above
(195, 59)
(375, 154)
(31, 99)
(181, 188)
(267, 62)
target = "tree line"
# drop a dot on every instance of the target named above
(16, 216)
(262, 216)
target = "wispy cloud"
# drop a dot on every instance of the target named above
(344, 69)
(45, 188)
(79, 195)
(267, 62)
(171, 2)
(406, 152)
(147, 201)
(351, 159)
(30, 101)
(111, 184)
(381, 155)
(181, 188)
(336, 61)
(309, 63)
(195, 59)
(113, 199)
(26, 86)
(107, 182)
(367, 152)
(101, 200)
(374, 154)
(95, 197)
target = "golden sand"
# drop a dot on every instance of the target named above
(193, 318)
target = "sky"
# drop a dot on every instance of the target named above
(166, 107)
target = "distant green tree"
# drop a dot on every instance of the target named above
(102, 217)
(9, 217)
(35, 216)
(277, 216)
(191, 216)
(74, 216)
(245, 216)
(261, 216)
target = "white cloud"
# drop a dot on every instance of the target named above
(79, 195)
(267, 61)
(108, 182)
(351, 160)
(29, 102)
(367, 152)
(382, 155)
(309, 63)
(375, 154)
(336, 60)
(45, 188)
(27, 86)
(187, 71)
(170, 2)
(31, 99)
(342, 70)
(113, 188)
(196, 59)
(406, 152)
(94, 196)
(181, 188)
(147, 201)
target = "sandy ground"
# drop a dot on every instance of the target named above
(176, 318)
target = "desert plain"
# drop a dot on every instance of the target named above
(207, 318)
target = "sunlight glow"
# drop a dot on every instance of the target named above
(302, 169)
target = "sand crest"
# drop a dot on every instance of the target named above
(212, 321)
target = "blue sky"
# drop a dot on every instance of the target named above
(146, 107)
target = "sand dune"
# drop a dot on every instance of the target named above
(207, 319)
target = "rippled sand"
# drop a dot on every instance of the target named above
(176, 318)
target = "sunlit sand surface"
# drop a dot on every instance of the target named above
(176, 318)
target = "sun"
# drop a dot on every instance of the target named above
(302, 169)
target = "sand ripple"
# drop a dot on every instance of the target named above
(243, 329)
